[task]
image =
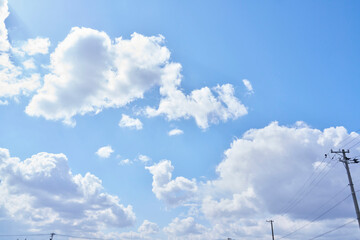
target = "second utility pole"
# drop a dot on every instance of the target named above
(346, 161)
(272, 228)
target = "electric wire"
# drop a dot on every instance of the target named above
(321, 215)
(332, 198)
(350, 141)
(315, 181)
(289, 204)
(77, 237)
(341, 226)
(302, 193)
(354, 145)
(25, 235)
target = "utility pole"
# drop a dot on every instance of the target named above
(52, 236)
(346, 162)
(272, 228)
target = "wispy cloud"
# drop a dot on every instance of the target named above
(248, 86)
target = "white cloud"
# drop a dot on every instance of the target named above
(175, 131)
(4, 102)
(248, 86)
(4, 13)
(43, 193)
(289, 153)
(105, 152)
(144, 158)
(242, 204)
(90, 72)
(36, 46)
(29, 64)
(184, 227)
(129, 122)
(201, 104)
(12, 80)
(125, 162)
(172, 192)
(260, 174)
(148, 227)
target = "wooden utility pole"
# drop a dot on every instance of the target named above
(346, 162)
(272, 228)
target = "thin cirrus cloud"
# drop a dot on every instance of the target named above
(104, 152)
(128, 122)
(42, 192)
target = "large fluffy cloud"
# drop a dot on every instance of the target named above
(274, 163)
(43, 193)
(276, 172)
(90, 72)
(172, 192)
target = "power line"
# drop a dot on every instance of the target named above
(286, 207)
(354, 145)
(304, 193)
(341, 226)
(25, 235)
(90, 238)
(296, 230)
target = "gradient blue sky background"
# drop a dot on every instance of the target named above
(302, 60)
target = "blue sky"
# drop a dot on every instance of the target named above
(255, 93)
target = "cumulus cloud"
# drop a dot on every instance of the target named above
(172, 192)
(205, 105)
(90, 72)
(290, 154)
(36, 46)
(104, 152)
(175, 131)
(13, 82)
(129, 122)
(29, 64)
(242, 204)
(259, 176)
(4, 13)
(184, 227)
(43, 193)
(248, 86)
(148, 227)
